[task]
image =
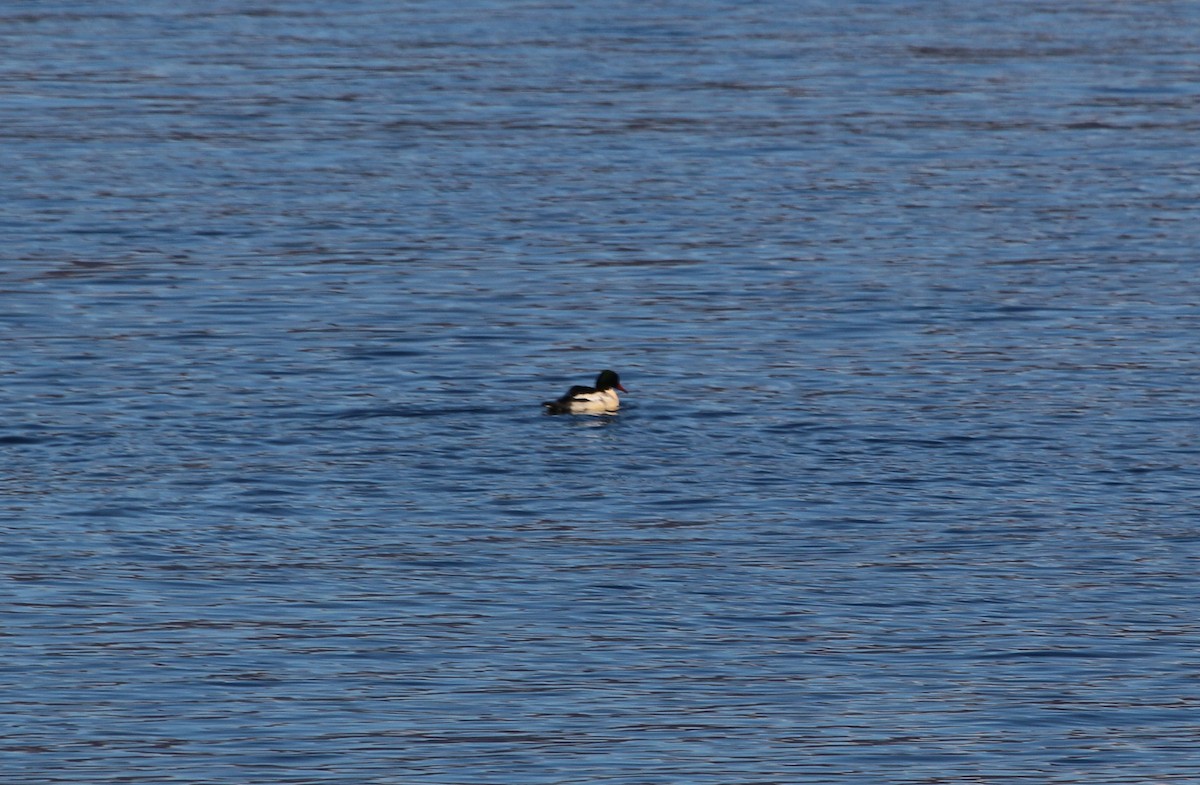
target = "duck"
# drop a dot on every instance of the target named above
(601, 399)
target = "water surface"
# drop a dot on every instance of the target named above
(904, 489)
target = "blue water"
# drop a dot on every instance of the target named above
(905, 489)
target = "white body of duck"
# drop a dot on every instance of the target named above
(601, 399)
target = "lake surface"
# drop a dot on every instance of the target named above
(905, 488)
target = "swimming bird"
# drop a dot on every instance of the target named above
(601, 399)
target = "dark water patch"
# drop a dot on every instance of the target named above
(21, 440)
(1084, 654)
(372, 354)
(407, 412)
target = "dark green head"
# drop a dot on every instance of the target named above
(608, 380)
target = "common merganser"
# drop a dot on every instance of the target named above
(601, 399)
